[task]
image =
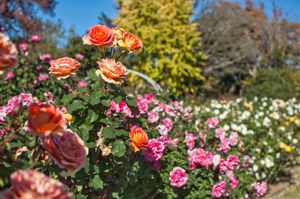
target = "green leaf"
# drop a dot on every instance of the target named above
(131, 102)
(96, 183)
(118, 148)
(84, 131)
(121, 132)
(76, 105)
(95, 97)
(92, 116)
(118, 99)
(105, 103)
(80, 197)
(108, 133)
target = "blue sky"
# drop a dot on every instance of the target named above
(81, 14)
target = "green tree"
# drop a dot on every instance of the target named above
(172, 45)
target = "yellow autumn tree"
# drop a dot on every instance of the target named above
(172, 45)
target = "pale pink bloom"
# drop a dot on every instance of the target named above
(67, 149)
(39, 67)
(190, 140)
(154, 150)
(82, 84)
(142, 106)
(260, 188)
(220, 133)
(178, 177)
(170, 111)
(11, 104)
(26, 99)
(168, 141)
(224, 145)
(3, 114)
(30, 184)
(234, 181)
(232, 162)
(153, 116)
(45, 57)
(167, 122)
(212, 122)
(43, 76)
(233, 138)
(35, 38)
(23, 46)
(218, 189)
(216, 160)
(79, 56)
(246, 160)
(199, 157)
(9, 76)
(21, 150)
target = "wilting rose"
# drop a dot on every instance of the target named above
(43, 119)
(131, 42)
(29, 184)
(138, 138)
(99, 35)
(111, 71)
(67, 149)
(118, 33)
(64, 67)
(8, 53)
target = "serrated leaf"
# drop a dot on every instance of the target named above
(108, 133)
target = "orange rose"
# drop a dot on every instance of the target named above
(67, 149)
(30, 184)
(99, 35)
(8, 53)
(111, 71)
(131, 42)
(63, 67)
(138, 138)
(43, 119)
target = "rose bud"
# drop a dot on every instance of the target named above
(67, 149)
(111, 71)
(138, 138)
(131, 43)
(64, 67)
(99, 35)
(43, 119)
(29, 184)
(8, 53)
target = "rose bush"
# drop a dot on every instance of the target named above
(102, 143)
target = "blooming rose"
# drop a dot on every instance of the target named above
(29, 184)
(190, 140)
(153, 116)
(118, 33)
(155, 149)
(131, 42)
(138, 138)
(111, 71)
(200, 157)
(212, 122)
(8, 53)
(260, 188)
(43, 119)
(99, 35)
(218, 189)
(35, 38)
(63, 67)
(67, 149)
(9, 76)
(81, 84)
(178, 177)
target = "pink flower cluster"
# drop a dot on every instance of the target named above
(121, 107)
(24, 99)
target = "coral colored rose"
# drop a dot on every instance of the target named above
(131, 43)
(64, 67)
(178, 177)
(67, 149)
(43, 119)
(8, 53)
(111, 71)
(29, 184)
(218, 189)
(138, 138)
(99, 35)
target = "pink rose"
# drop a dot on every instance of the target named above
(190, 140)
(154, 150)
(224, 145)
(67, 149)
(220, 133)
(200, 157)
(43, 77)
(45, 57)
(153, 116)
(233, 138)
(218, 189)
(23, 46)
(79, 56)
(142, 106)
(3, 114)
(35, 38)
(234, 181)
(260, 188)
(82, 84)
(178, 177)
(212, 122)
(29, 184)
(11, 104)
(9, 76)
(246, 160)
